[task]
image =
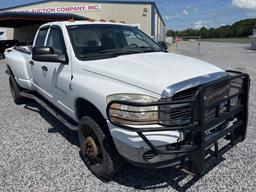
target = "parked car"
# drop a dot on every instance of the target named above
(129, 99)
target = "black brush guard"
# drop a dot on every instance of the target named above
(203, 149)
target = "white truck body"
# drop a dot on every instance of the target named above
(155, 74)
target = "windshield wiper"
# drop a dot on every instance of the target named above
(108, 53)
(116, 51)
(148, 49)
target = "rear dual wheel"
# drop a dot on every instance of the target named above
(15, 91)
(97, 149)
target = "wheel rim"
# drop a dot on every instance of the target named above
(92, 149)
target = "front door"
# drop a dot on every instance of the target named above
(58, 76)
(52, 79)
(61, 73)
(36, 66)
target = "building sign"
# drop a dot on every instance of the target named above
(63, 9)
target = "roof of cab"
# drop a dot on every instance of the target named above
(85, 22)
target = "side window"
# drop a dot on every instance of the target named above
(41, 38)
(55, 41)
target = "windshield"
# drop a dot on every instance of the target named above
(105, 41)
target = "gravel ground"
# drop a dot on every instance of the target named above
(37, 153)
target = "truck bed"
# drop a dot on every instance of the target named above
(17, 58)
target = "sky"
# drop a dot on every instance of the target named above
(183, 14)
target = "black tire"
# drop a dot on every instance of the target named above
(108, 162)
(15, 91)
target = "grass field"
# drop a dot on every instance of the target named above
(243, 40)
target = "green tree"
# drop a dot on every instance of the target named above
(241, 28)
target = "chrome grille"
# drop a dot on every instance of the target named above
(216, 92)
(212, 94)
(179, 114)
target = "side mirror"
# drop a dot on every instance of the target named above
(163, 45)
(47, 54)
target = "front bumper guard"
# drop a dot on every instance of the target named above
(199, 153)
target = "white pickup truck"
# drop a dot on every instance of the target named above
(128, 98)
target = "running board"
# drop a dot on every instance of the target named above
(51, 110)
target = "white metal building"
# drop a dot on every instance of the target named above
(142, 14)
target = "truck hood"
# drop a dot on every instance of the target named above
(157, 72)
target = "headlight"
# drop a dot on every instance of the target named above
(126, 114)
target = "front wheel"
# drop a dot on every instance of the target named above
(97, 149)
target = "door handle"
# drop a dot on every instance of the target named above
(44, 68)
(31, 62)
